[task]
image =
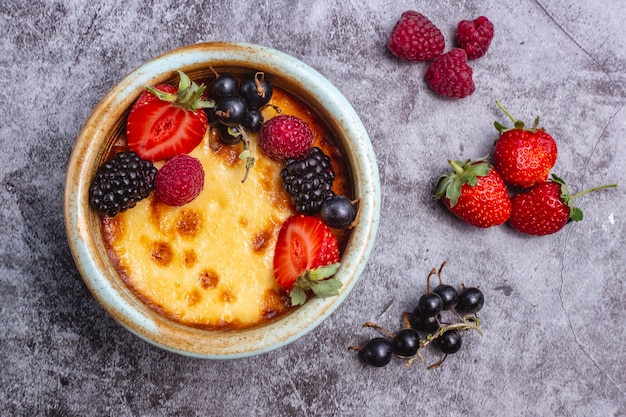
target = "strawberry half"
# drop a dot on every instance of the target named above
(166, 121)
(306, 256)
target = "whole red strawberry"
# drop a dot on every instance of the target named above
(415, 38)
(475, 36)
(546, 207)
(523, 156)
(285, 136)
(475, 193)
(166, 121)
(306, 256)
(450, 75)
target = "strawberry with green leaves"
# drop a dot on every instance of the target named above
(166, 121)
(523, 156)
(546, 207)
(306, 256)
(476, 193)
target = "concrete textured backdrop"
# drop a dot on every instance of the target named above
(554, 316)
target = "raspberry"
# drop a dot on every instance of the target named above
(415, 38)
(450, 76)
(308, 180)
(179, 181)
(120, 183)
(284, 137)
(475, 36)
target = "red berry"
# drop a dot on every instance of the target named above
(450, 75)
(475, 193)
(546, 207)
(283, 137)
(475, 36)
(523, 156)
(415, 38)
(179, 181)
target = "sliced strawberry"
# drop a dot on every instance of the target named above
(307, 253)
(166, 121)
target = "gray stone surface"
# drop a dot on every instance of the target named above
(554, 316)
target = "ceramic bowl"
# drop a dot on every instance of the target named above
(95, 141)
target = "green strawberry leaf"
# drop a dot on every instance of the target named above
(323, 272)
(575, 214)
(298, 296)
(326, 288)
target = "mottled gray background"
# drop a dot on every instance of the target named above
(554, 316)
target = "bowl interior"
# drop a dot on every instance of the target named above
(94, 144)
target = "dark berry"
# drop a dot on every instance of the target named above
(256, 90)
(430, 304)
(253, 120)
(224, 85)
(448, 294)
(120, 183)
(449, 342)
(422, 323)
(231, 110)
(471, 300)
(377, 352)
(338, 212)
(308, 180)
(406, 343)
(228, 135)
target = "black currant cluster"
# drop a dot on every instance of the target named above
(238, 109)
(308, 180)
(425, 325)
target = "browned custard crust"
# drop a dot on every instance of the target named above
(209, 264)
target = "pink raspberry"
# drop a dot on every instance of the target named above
(415, 38)
(475, 36)
(179, 181)
(283, 137)
(450, 75)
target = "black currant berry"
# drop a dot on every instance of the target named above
(430, 304)
(406, 343)
(422, 323)
(338, 212)
(231, 110)
(449, 342)
(377, 352)
(256, 90)
(228, 135)
(224, 85)
(253, 120)
(448, 294)
(471, 300)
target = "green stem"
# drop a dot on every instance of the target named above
(509, 115)
(593, 189)
(457, 168)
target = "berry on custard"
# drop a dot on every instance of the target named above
(415, 38)
(166, 121)
(308, 180)
(120, 183)
(179, 181)
(450, 75)
(306, 257)
(285, 136)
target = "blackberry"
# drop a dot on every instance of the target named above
(308, 180)
(120, 183)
